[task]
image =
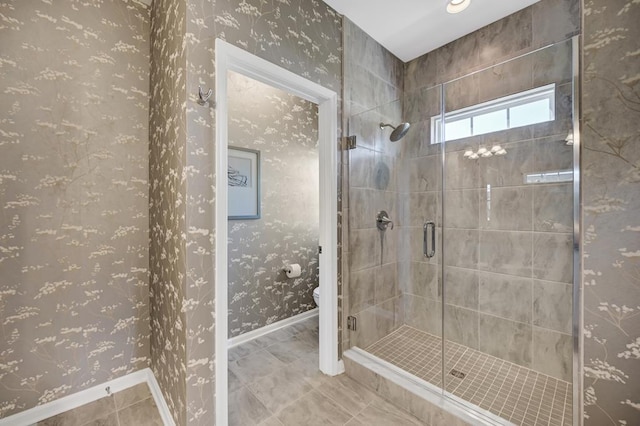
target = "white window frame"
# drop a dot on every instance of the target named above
(505, 103)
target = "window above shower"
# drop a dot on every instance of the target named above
(521, 109)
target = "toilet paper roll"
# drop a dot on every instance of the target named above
(293, 270)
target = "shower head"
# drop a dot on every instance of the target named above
(398, 132)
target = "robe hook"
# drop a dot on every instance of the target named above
(204, 97)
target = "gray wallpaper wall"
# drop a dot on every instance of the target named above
(284, 128)
(167, 243)
(73, 188)
(304, 37)
(611, 188)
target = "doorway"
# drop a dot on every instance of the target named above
(233, 59)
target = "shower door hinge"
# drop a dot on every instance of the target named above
(349, 142)
(352, 323)
(319, 249)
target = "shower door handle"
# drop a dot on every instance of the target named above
(425, 244)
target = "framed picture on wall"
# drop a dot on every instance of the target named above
(244, 183)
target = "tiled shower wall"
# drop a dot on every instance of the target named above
(74, 298)
(507, 245)
(508, 272)
(373, 87)
(284, 129)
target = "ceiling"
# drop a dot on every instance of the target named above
(411, 28)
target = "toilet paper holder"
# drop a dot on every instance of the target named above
(293, 271)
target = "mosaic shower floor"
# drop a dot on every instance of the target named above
(517, 394)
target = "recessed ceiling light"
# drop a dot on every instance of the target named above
(455, 6)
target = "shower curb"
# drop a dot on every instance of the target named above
(422, 401)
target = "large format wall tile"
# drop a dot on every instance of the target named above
(74, 254)
(505, 252)
(462, 208)
(462, 287)
(366, 249)
(425, 174)
(509, 169)
(553, 208)
(461, 325)
(377, 321)
(555, 20)
(552, 305)
(420, 207)
(553, 257)
(507, 209)
(495, 247)
(505, 296)
(419, 278)
(373, 76)
(508, 340)
(423, 314)
(372, 91)
(552, 65)
(553, 353)
(461, 248)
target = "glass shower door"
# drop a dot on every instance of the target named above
(372, 292)
(394, 292)
(508, 237)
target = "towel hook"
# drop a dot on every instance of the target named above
(204, 97)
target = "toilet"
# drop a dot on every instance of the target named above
(316, 295)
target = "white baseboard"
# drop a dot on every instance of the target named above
(254, 334)
(69, 402)
(161, 403)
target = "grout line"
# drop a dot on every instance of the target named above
(118, 417)
(514, 392)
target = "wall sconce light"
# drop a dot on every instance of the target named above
(569, 139)
(483, 152)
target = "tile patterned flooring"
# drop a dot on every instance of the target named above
(515, 393)
(131, 407)
(275, 381)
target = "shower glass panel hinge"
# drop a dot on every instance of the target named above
(349, 142)
(319, 249)
(352, 323)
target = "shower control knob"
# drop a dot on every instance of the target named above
(383, 221)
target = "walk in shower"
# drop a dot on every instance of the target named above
(471, 293)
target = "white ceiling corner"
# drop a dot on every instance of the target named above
(411, 28)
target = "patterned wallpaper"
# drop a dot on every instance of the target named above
(611, 188)
(302, 36)
(167, 242)
(284, 128)
(74, 311)
(199, 304)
